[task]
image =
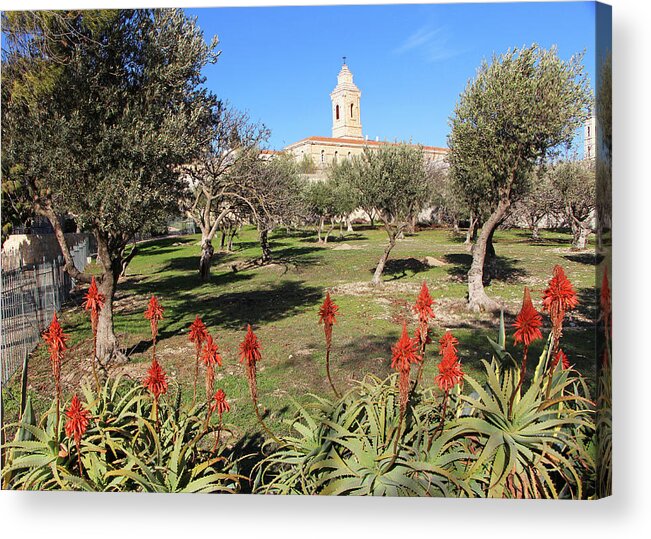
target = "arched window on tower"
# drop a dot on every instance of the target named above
(337, 112)
(352, 108)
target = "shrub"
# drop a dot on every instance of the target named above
(122, 450)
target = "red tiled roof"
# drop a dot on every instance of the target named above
(361, 142)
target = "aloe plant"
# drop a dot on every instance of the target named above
(347, 447)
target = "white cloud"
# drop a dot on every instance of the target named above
(431, 43)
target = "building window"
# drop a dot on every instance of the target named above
(351, 110)
(337, 112)
(588, 131)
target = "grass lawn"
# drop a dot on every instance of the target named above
(281, 302)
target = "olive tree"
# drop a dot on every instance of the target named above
(517, 110)
(115, 117)
(272, 192)
(393, 181)
(540, 201)
(574, 182)
(215, 175)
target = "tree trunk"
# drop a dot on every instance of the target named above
(107, 342)
(455, 225)
(489, 259)
(207, 252)
(320, 229)
(477, 298)
(341, 228)
(580, 237)
(264, 244)
(349, 225)
(471, 234)
(332, 227)
(223, 240)
(411, 227)
(535, 232)
(231, 236)
(377, 276)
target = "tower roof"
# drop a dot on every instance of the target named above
(345, 80)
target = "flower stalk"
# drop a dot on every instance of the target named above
(56, 342)
(327, 317)
(198, 335)
(250, 354)
(94, 302)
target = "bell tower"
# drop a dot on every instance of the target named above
(346, 119)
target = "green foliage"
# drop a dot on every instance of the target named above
(533, 447)
(518, 109)
(393, 181)
(307, 165)
(498, 441)
(346, 447)
(124, 448)
(123, 112)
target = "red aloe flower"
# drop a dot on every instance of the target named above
(403, 355)
(249, 355)
(198, 333)
(94, 303)
(404, 351)
(447, 341)
(424, 310)
(560, 356)
(56, 343)
(78, 419)
(210, 357)
(424, 304)
(450, 372)
(156, 380)
(558, 298)
(154, 314)
(56, 339)
(219, 403)
(327, 317)
(528, 322)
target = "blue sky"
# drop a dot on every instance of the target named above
(410, 61)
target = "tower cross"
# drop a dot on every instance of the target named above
(344, 59)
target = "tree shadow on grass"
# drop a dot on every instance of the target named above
(589, 258)
(236, 309)
(588, 307)
(397, 268)
(505, 269)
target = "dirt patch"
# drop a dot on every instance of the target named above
(367, 289)
(347, 247)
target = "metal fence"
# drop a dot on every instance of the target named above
(30, 296)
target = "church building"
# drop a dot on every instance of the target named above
(347, 139)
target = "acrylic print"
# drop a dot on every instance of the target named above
(334, 250)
